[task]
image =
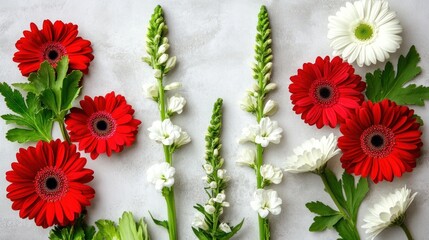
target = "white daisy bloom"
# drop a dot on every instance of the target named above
(199, 222)
(161, 175)
(390, 210)
(312, 155)
(246, 157)
(263, 133)
(225, 227)
(265, 202)
(271, 174)
(150, 91)
(365, 31)
(164, 132)
(175, 104)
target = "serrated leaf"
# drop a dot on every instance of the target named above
(321, 209)
(345, 230)
(386, 85)
(361, 191)
(128, 229)
(70, 89)
(323, 222)
(36, 123)
(106, 230)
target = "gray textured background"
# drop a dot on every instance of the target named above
(213, 41)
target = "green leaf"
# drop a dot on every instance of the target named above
(200, 234)
(345, 230)
(336, 187)
(321, 209)
(322, 222)
(78, 231)
(34, 121)
(386, 85)
(128, 229)
(159, 222)
(56, 89)
(234, 230)
(106, 230)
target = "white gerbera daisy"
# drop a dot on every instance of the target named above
(312, 155)
(365, 31)
(390, 210)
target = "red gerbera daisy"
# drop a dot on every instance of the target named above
(50, 44)
(48, 183)
(380, 140)
(103, 125)
(326, 92)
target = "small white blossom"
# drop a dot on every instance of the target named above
(249, 103)
(199, 222)
(270, 108)
(265, 202)
(171, 62)
(263, 133)
(312, 155)
(209, 209)
(213, 185)
(163, 58)
(205, 178)
(221, 173)
(150, 91)
(175, 104)
(246, 157)
(208, 168)
(164, 132)
(220, 197)
(172, 86)
(161, 175)
(271, 173)
(390, 210)
(225, 227)
(182, 139)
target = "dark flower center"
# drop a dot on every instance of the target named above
(377, 141)
(53, 52)
(324, 93)
(102, 125)
(51, 184)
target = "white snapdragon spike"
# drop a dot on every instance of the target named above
(175, 104)
(209, 209)
(161, 175)
(150, 91)
(312, 155)
(182, 139)
(270, 108)
(225, 227)
(265, 202)
(390, 210)
(172, 86)
(271, 173)
(249, 103)
(365, 31)
(199, 222)
(246, 157)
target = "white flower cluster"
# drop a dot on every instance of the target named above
(265, 132)
(161, 175)
(168, 134)
(265, 202)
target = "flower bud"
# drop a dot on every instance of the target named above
(270, 86)
(209, 209)
(173, 86)
(163, 48)
(213, 185)
(270, 108)
(157, 73)
(163, 58)
(171, 62)
(208, 168)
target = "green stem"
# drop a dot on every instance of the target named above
(406, 231)
(169, 198)
(64, 131)
(343, 212)
(171, 208)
